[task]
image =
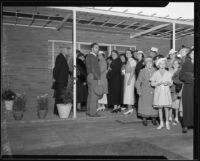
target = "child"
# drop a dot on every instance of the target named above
(162, 80)
(175, 89)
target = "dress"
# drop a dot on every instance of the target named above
(129, 97)
(162, 94)
(103, 81)
(187, 76)
(143, 86)
(114, 82)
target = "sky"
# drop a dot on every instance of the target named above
(173, 10)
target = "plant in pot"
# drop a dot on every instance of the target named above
(8, 97)
(42, 106)
(19, 106)
(66, 98)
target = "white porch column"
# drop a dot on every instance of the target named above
(74, 54)
(174, 36)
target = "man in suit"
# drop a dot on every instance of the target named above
(93, 75)
(60, 74)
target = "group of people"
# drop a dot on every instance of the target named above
(148, 83)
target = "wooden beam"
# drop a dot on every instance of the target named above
(16, 17)
(94, 19)
(48, 22)
(130, 25)
(63, 21)
(149, 30)
(142, 26)
(105, 22)
(32, 20)
(119, 23)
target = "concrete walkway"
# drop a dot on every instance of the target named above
(35, 136)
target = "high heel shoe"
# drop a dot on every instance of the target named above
(128, 112)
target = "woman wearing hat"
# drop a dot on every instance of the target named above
(81, 86)
(146, 92)
(170, 59)
(162, 80)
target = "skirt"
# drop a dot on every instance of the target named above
(103, 100)
(129, 97)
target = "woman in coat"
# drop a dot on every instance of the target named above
(81, 86)
(187, 76)
(114, 81)
(103, 80)
(146, 93)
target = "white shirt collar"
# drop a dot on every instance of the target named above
(93, 53)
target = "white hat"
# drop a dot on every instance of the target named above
(101, 52)
(140, 52)
(160, 60)
(172, 51)
(154, 49)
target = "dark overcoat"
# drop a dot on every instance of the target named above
(187, 76)
(81, 87)
(114, 82)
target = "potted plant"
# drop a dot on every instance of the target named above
(8, 96)
(66, 98)
(19, 106)
(42, 106)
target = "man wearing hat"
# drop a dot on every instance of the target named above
(153, 52)
(60, 74)
(95, 91)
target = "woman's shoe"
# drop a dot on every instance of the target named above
(176, 120)
(167, 126)
(128, 112)
(160, 126)
(184, 130)
(170, 119)
(115, 110)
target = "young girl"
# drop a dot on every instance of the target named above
(174, 90)
(162, 80)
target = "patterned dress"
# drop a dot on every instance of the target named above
(143, 86)
(162, 93)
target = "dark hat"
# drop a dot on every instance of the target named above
(79, 54)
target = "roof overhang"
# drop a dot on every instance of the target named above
(133, 25)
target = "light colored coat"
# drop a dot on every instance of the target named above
(143, 86)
